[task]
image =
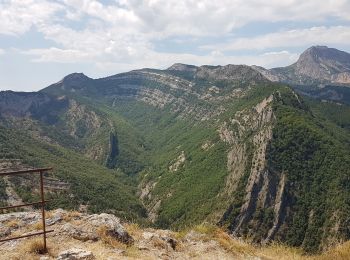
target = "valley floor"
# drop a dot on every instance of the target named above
(82, 236)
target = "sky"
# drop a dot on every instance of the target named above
(41, 41)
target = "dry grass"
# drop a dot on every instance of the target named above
(71, 215)
(203, 229)
(159, 243)
(206, 229)
(36, 226)
(282, 252)
(182, 233)
(234, 246)
(33, 246)
(134, 230)
(15, 223)
(132, 252)
(272, 251)
(242, 248)
(109, 240)
(340, 252)
(48, 214)
(227, 242)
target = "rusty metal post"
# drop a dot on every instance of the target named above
(43, 208)
(42, 203)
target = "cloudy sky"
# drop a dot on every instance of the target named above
(41, 41)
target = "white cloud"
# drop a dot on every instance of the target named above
(58, 55)
(160, 18)
(112, 14)
(291, 38)
(2, 52)
(122, 36)
(18, 16)
(208, 17)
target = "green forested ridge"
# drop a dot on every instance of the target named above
(317, 166)
(312, 149)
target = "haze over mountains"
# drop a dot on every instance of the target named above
(231, 145)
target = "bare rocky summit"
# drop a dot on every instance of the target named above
(317, 65)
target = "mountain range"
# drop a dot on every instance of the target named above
(262, 153)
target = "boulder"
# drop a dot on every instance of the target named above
(4, 231)
(91, 224)
(75, 254)
(162, 239)
(57, 216)
(83, 233)
(24, 218)
(114, 227)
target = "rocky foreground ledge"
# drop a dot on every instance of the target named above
(102, 236)
(99, 236)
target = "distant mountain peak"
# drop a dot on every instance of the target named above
(318, 47)
(182, 67)
(75, 76)
(72, 81)
(324, 54)
(317, 65)
(75, 79)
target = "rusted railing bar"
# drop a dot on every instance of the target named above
(25, 171)
(24, 205)
(24, 236)
(43, 206)
(41, 171)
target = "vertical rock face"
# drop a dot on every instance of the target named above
(261, 190)
(81, 121)
(244, 145)
(113, 151)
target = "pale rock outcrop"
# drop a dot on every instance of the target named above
(259, 119)
(178, 162)
(91, 224)
(248, 135)
(75, 254)
(80, 113)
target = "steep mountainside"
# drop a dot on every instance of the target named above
(221, 144)
(320, 72)
(317, 65)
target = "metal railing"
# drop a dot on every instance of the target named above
(42, 203)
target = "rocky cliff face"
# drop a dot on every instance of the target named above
(31, 105)
(317, 65)
(260, 188)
